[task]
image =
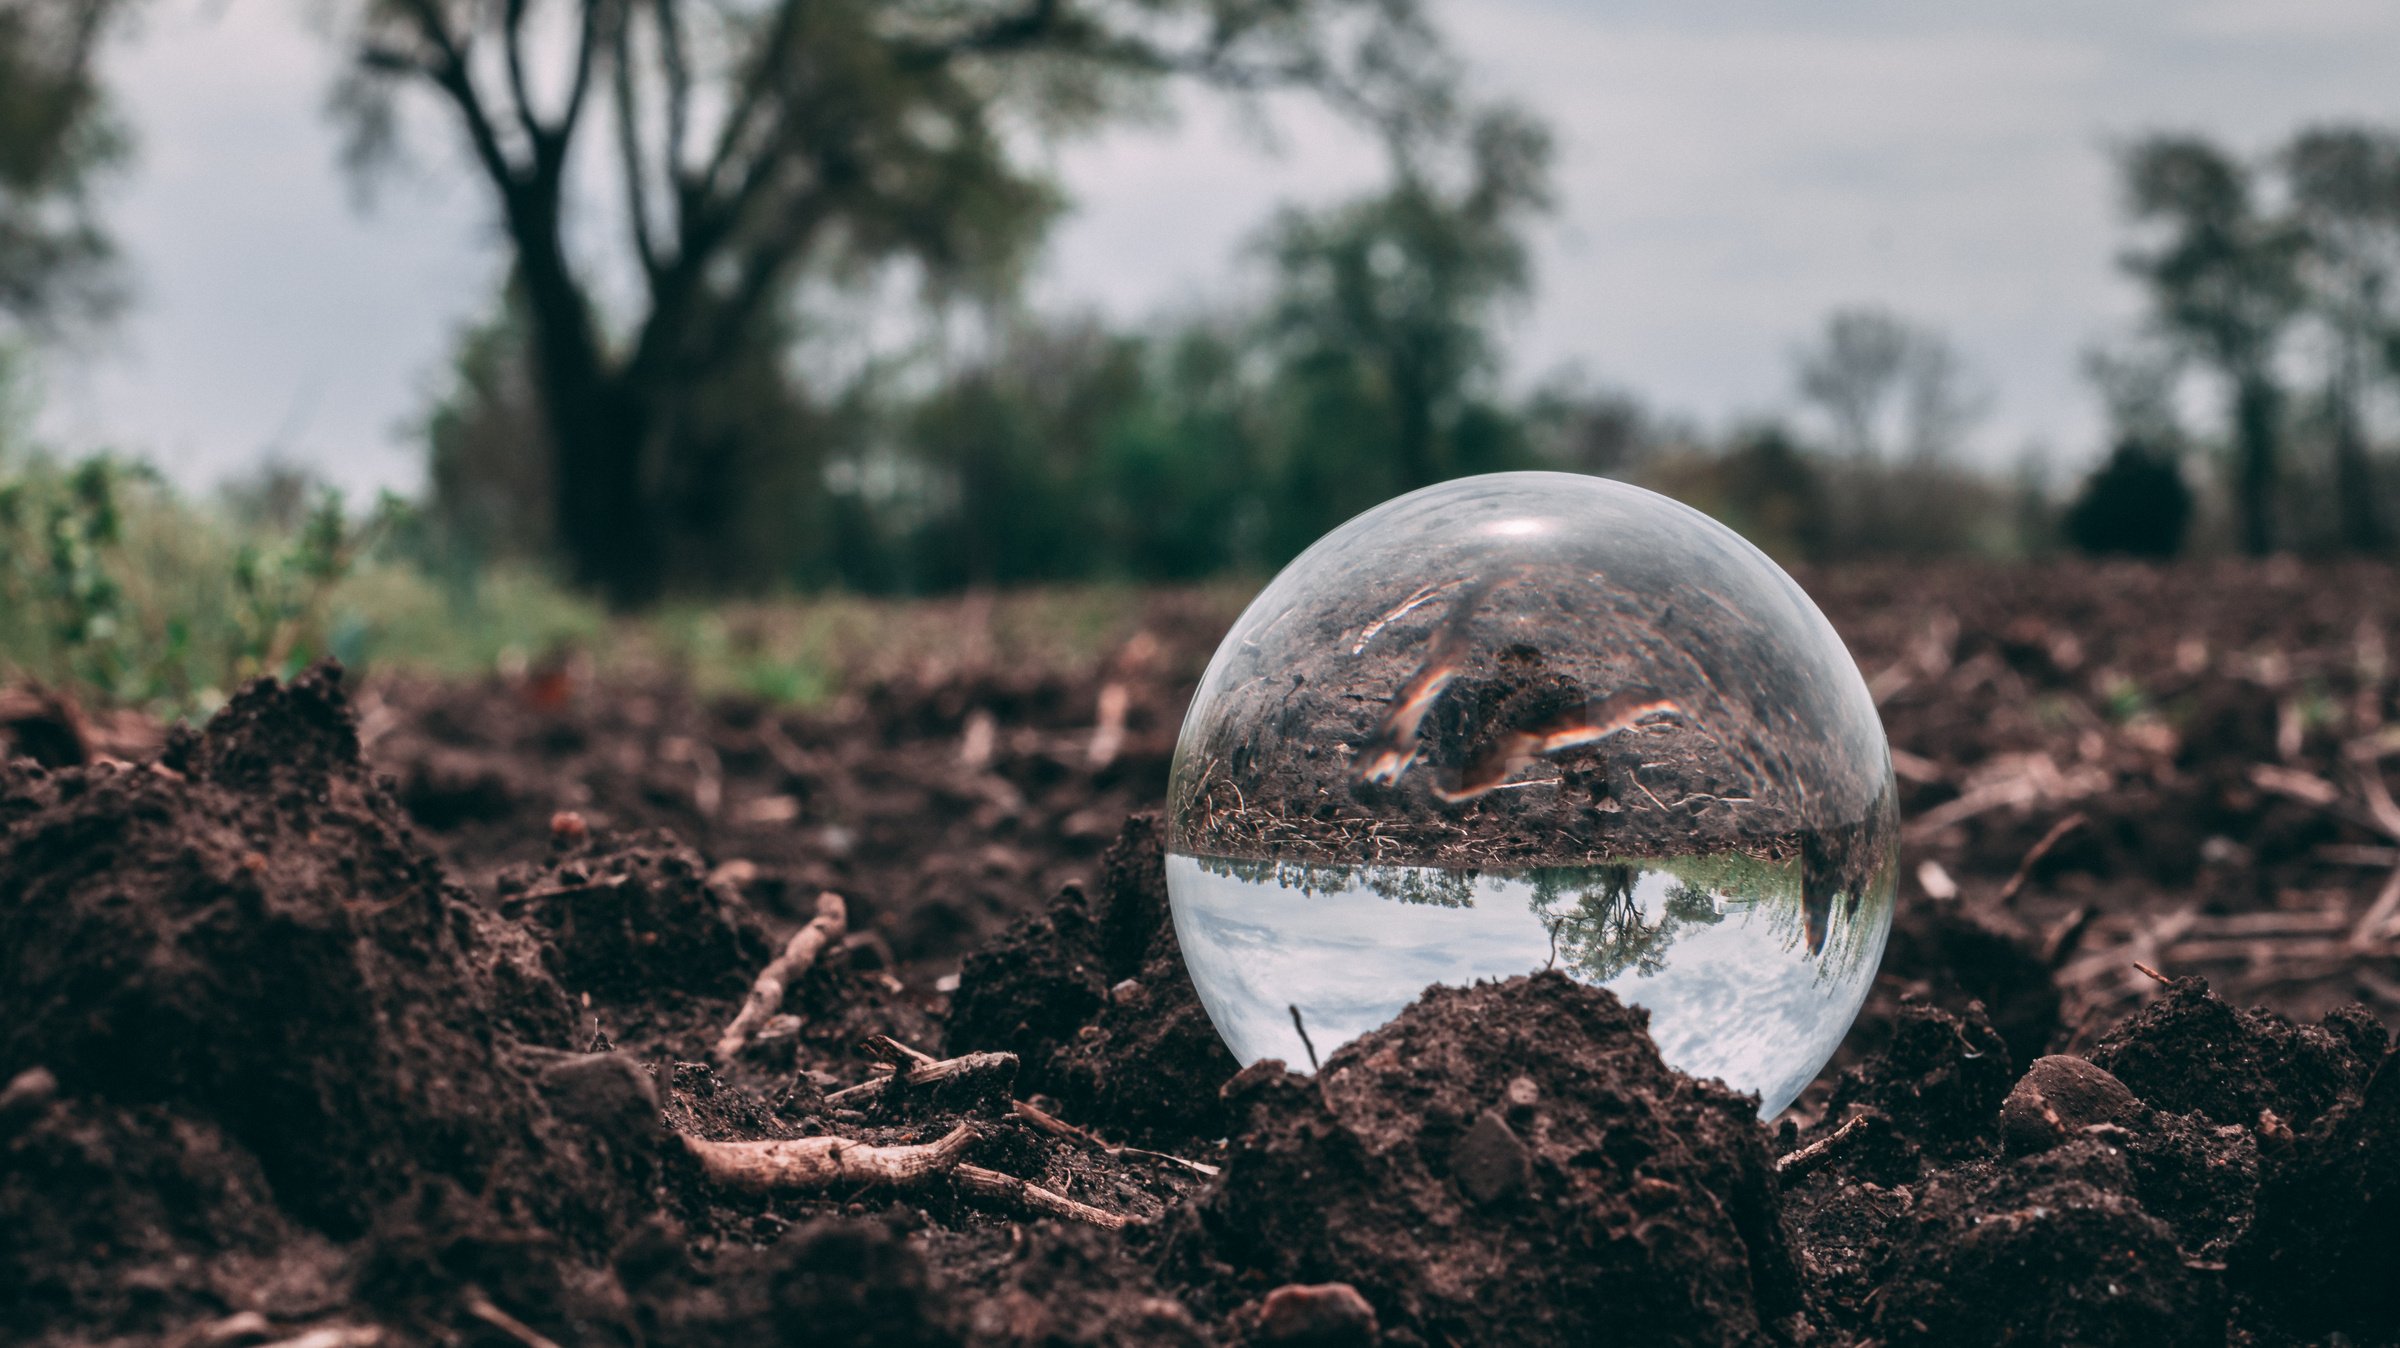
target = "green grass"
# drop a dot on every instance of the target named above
(115, 588)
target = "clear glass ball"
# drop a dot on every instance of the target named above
(1529, 721)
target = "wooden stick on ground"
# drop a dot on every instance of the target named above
(1057, 1127)
(992, 1184)
(484, 1309)
(966, 1077)
(821, 1162)
(811, 1163)
(2378, 916)
(799, 954)
(1805, 1159)
(2034, 855)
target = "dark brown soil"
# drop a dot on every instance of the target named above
(326, 1020)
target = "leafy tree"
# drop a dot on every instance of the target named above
(2344, 185)
(1381, 317)
(2136, 503)
(758, 142)
(56, 137)
(2224, 283)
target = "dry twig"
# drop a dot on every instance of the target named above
(1805, 1159)
(2034, 854)
(968, 1075)
(799, 954)
(2378, 916)
(992, 1184)
(482, 1308)
(1057, 1127)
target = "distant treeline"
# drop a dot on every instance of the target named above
(676, 400)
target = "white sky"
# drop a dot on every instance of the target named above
(1729, 171)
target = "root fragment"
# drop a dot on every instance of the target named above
(483, 1308)
(992, 1184)
(799, 955)
(821, 1162)
(1798, 1163)
(967, 1079)
(1057, 1127)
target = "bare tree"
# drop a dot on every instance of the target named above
(758, 141)
(1887, 387)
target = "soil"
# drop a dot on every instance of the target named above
(382, 1014)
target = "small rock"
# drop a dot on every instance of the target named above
(1320, 1315)
(566, 826)
(28, 1091)
(1490, 1162)
(606, 1092)
(2059, 1097)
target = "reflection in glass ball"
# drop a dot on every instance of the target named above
(1528, 721)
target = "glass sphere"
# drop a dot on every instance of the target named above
(1530, 721)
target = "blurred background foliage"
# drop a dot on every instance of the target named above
(789, 173)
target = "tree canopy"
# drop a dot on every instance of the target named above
(755, 143)
(56, 137)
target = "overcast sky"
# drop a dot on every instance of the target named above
(1729, 171)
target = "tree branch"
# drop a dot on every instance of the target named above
(452, 77)
(755, 83)
(668, 15)
(512, 44)
(587, 47)
(629, 154)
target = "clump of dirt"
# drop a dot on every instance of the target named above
(1508, 1163)
(2319, 1252)
(2050, 1248)
(2191, 1052)
(842, 1284)
(1939, 1082)
(1092, 996)
(252, 987)
(1955, 953)
(630, 917)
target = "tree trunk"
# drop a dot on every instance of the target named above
(601, 420)
(2354, 476)
(2257, 408)
(607, 517)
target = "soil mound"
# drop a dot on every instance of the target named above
(236, 968)
(2192, 1052)
(1509, 1163)
(1093, 998)
(2320, 1251)
(2045, 1249)
(628, 918)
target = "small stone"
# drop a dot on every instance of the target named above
(1521, 1097)
(30, 1090)
(608, 1093)
(566, 826)
(1654, 1195)
(1320, 1315)
(1128, 993)
(2060, 1096)
(1490, 1162)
